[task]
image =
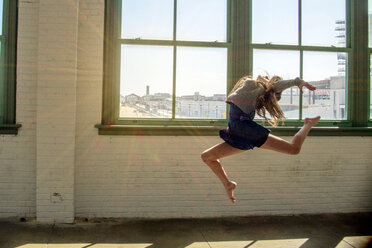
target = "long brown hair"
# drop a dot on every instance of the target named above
(266, 102)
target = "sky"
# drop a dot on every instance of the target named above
(277, 21)
(204, 69)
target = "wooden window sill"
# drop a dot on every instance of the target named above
(11, 129)
(213, 131)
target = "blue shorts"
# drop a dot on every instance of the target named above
(242, 132)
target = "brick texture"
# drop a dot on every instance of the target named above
(18, 153)
(56, 110)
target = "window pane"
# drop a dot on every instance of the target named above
(275, 21)
(323, 22)
(285, 64)
(201, 20)
(147, 19)
(326, 71)
(201, 83)
(146, 81)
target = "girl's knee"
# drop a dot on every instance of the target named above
(206, 156)
(295, 150)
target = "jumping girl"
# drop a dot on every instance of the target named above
(246, 98)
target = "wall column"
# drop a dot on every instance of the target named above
(56, 110)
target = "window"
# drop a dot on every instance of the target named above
(304, 39)
(170, 64)
(8, 28)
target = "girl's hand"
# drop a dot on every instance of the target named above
(307, 85)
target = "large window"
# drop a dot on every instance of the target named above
(171, 63)
(307, 39)
(8, 34)
(173, 59)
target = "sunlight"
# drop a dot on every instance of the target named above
(355, 241)
(287, 243)
(229, 244)
(80, 245)
(279, 243)
(86, 245)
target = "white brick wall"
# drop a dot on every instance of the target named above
(56, 110)
(18, 153)
(58, 150)
(154, 177)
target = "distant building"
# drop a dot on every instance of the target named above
(329, 92)
(198, 97)
(200, 109)
(216, 97)
(341, 36)
(195, 97)
(132, 99)
(122, 99)
(157, 97)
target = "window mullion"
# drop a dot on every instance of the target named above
(118, 46)
(250, 45)
(298, 47)
(110, 65)
(301, 53)
(358, 86)
(349, 63)
(230, 49)
(174, 42)
(10, 58)
(174, 59)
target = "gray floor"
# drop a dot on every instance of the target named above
(305, 231)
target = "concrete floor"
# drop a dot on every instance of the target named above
(305, 231)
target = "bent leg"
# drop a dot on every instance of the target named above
(294, 147)
(220, 151)
(277, 144)
(211, 157)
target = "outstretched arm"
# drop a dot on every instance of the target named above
(307, 85)
(285, 84)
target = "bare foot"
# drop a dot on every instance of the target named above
(230, 190)
(312, 121)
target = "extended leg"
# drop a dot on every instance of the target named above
(211, 158)
(294, 147)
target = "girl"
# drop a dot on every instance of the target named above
(246, 98)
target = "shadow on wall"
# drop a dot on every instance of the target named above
(305, 231)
